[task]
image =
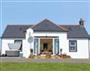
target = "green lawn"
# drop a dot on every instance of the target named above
(43, 67)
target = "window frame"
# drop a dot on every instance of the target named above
(56, 46)
(21, 44)
(73, 46)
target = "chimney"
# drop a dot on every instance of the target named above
(81, 22)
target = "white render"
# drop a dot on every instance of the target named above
(89, 48)
(5, 44)
(82, 44)
(82, 49)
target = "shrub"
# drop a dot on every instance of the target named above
(64, 56)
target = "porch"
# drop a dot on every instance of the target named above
(46, 45)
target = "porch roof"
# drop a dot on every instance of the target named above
(47, 26)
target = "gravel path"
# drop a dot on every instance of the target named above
(19, 59)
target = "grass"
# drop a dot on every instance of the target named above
(8, 66)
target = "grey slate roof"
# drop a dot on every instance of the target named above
(18, 31)
(76, 31)
(15, 31)
(47, 25)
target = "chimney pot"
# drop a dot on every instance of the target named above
(81, 22)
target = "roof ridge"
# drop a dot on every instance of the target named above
(41, 22)
(70, 25)
(37, 24)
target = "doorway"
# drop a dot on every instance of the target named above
(46, 46)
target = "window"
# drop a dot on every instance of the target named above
(18, 43)
(56, 46)
(72, 45)
(35, 46)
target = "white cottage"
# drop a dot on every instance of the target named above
(46, 37)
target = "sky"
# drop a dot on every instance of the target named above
(45, 0)
(34, 11)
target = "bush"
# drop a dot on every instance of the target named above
(64, 56)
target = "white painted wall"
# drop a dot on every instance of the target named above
(26, 45)
(5, 44)
(26, 49)
(63, 43)
(89, 47)
(82, 49)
